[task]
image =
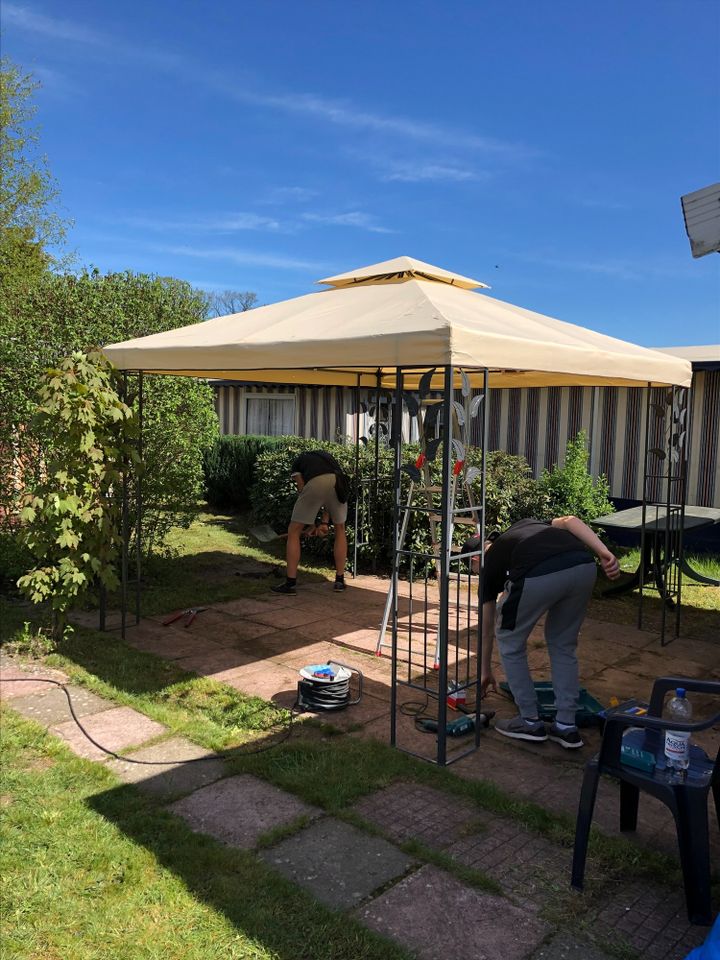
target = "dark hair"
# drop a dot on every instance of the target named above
(475, 542)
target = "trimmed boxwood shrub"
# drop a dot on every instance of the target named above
(229, 467)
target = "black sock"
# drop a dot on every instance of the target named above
(291, 581)
(340, 577)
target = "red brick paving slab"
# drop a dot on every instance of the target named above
(287, 617)
(437, 917)
(337, 863)
(531, 869)
(237, 811)
(652, 919)
(411, 811)
(116, 729)
(241, 632)
(565, 947)
(170, 644)
(51, 706)
(177, 776)
(30, 680)
(212, 662)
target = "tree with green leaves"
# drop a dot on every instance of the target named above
(29, 222)
(72, 515)
(62, 313)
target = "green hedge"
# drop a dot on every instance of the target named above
(229, 467)
(511, 494)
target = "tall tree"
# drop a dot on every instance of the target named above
(29, 222)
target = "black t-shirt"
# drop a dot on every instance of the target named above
(523, 546)
(313, 463)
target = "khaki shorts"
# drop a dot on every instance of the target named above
(319, 492)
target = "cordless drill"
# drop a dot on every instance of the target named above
(459, 727)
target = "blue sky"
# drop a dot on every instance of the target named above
(541, 146)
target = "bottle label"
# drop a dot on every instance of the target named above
(677, 745)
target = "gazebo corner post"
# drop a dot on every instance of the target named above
(376, 471)
(125, 528)
(139, 501)
(481, 574)
(444, 563)
(682, 466)
(357, 477)
(396, 436)
(643, 530)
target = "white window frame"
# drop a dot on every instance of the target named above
(254, 395)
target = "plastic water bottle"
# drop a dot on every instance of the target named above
(677, 742)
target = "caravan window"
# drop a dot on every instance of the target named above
(270, 414)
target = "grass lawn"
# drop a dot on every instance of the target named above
(94, 869)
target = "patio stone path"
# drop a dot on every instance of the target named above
(116, 729)
(438, 917)
(256, 645)
(407, 811)
(174, 777)
(237, 811)
(337, 863)
(50, 706)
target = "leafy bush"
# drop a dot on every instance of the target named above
(72, 515)
(61, 313)
(510, 495)
(571, 489)
(229, 469)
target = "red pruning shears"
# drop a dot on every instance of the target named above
(189, 615)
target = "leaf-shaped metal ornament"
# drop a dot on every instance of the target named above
(659, 452)
(659, 409)
(458, 449)
(425, 381)
(413, 472)
(364, 440)
(465, 384)
(471, 474)
(475, 404)
(431, 449)
(411, 403)
(459, 413)
(681, 418)
(431, 415)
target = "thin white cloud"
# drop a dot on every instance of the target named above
(243, 257)
(229, 223)
(353, 218)
(345, 113)
(24, 18)
(611, 268)
(337, 112)
(426, 172)
(278, 195)
(69, 31)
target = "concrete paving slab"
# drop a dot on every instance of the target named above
(288, 617)
(115, 729)
(238, 810)
(566, 947)
(32, 682)
(337, 863)
(436, 916)
(51, 706)
(175, 777)
(412, 811)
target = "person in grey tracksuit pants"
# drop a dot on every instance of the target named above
(539, 568)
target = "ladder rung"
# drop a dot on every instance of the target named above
(466, 521)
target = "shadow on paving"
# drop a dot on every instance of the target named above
(260, 904)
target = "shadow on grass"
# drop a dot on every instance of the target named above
(259, 904)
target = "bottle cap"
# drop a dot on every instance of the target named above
(680, 692)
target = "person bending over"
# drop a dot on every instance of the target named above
(315, 474)
(540, 568)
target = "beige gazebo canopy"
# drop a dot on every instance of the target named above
(399, 313)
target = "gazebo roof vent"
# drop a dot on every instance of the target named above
(398, 271)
